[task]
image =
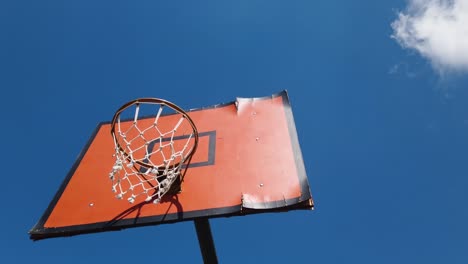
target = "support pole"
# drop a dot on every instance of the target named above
(205, 239)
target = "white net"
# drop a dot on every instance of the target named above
(151, 153)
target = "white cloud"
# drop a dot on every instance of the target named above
(436, 29)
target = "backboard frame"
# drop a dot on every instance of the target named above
(303, 201)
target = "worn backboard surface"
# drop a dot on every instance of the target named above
(248, 161)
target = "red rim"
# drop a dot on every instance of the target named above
(160, 102)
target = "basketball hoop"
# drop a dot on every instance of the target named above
(150, 156)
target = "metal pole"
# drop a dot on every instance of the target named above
(205, 239)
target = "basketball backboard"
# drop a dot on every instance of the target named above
(248, 161)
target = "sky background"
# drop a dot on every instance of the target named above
(379, 91)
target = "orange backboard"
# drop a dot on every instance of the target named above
(248, 161)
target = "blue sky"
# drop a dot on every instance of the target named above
(382, 120)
